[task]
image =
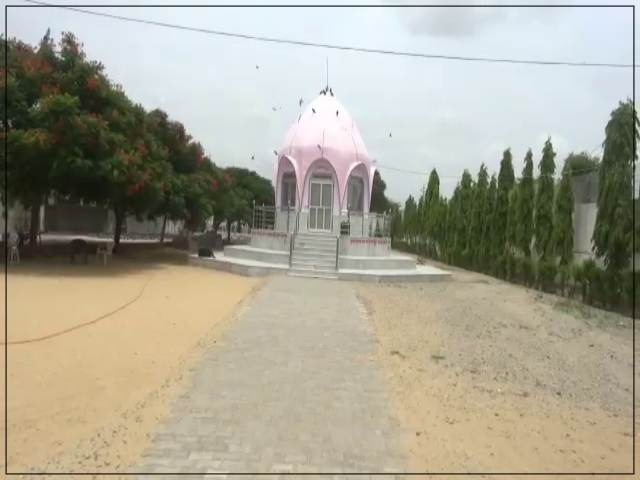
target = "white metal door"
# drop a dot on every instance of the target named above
(320, 204)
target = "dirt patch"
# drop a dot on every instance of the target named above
(86, 400)
(491, 377)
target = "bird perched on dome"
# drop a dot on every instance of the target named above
(331, 91)
(300, 102)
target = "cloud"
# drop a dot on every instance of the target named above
(455, 21)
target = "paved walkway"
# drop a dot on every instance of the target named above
(292, 388)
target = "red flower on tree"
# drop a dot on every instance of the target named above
(214, 184)
(142, 148)
(92, 84)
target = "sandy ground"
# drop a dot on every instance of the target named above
(491, 377)
(87, 399)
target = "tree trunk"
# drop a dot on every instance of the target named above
(228, 232)
(119, 218)
(164, 227)
(34, 228)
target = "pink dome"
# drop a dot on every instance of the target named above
(325, 130)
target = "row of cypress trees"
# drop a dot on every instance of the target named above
(522, 229)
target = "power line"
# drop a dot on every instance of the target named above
(458, 177)
(334, 46)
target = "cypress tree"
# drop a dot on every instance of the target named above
(476, 227)
(512, 221)
(612, 234)
(432, 197)
(526, 201)
(543, 219)
(563, 220)
(506, 180)
(486, 249)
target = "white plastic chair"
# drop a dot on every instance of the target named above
(105, 250)
(14, 253)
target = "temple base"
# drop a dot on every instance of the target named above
(253, 262)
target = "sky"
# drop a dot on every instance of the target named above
(448, 115)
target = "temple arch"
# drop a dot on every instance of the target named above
(287, 183)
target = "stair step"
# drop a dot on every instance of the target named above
(314, 254)
(320, 251)
(314, 266)
(314, 241)
(312, 274)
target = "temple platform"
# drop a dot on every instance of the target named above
(253, 262)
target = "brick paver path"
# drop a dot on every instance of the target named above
(292, 387)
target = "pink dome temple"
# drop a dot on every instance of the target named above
(323, 167)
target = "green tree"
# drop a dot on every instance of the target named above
(563, 220)
(395, 229)
(580, 163)
(379, 201)
(506, 179)
(613, 231)
(477, 212)
(526, 202)
(432, 199)
(408, 218)
(486, 246)
(543, 219)
(512, 220)
(465, 209)
(29, 166)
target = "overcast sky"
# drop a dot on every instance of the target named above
(450, 115)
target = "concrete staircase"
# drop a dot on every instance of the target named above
(314, 255)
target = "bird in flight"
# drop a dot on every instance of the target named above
(389, 135)
(275, 152)
(253, 157)
(275, 109)
(337, 113)
(313, 110)
(257, 67)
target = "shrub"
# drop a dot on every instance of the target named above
(580, 281)
(564, 274)
(547, 272)
(466, 258)
(518, 270)
(631, 290)
(528, 272)
(510, 267)
(500, 267)
(589, 281)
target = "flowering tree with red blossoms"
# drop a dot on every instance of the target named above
(196, 185)
(74, 133)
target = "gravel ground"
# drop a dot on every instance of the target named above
(482, 368)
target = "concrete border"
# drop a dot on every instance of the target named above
(246, 269)
(245, 252)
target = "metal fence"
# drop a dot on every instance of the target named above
(278, 219)
(366, 224)
(354, 224)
